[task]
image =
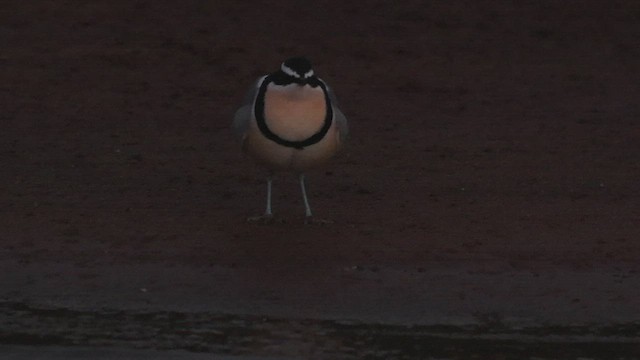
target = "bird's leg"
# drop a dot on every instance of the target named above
(307, 208)
(267, 212)
(309, 219)
(268, 215)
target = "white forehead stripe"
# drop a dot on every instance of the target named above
(287, 70)
(308, 74)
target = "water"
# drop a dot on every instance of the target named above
(53, 333)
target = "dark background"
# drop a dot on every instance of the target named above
(482, 131)
(508, 129)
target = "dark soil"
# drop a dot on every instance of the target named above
(483, 133)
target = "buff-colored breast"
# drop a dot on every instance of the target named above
(293, 113)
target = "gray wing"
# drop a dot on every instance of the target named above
(242, 117)
(338, 116)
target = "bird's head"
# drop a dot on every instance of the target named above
(297, 70)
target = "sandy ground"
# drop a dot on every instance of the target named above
(490, 183)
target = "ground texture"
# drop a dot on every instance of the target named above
(488, 199)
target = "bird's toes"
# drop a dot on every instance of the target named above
(310, 220)
(265, 219)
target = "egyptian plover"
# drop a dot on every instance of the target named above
(290, 121)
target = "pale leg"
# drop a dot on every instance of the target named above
(268, 215)
(267, 212)
(307, 208)
(309, 219)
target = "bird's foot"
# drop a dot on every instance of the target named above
(265, 219)
(310, 220)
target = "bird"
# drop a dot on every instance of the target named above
(290, 122)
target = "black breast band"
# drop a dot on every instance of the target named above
(262, 125)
